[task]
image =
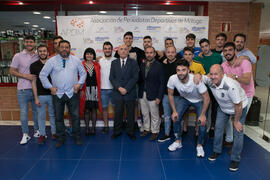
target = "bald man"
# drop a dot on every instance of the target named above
(123, 77)
(232, 101)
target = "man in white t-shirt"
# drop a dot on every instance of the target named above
(233, 101)
(192, 95)
(106, 86)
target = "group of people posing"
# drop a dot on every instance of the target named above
(149, 82)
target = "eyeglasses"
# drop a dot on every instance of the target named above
(64, 63)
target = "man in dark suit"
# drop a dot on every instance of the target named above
(151, 93)
(123, 76)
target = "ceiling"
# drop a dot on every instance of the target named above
(13, 16)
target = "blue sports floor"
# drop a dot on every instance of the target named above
(101, 158)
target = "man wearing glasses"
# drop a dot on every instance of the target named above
(64, 69)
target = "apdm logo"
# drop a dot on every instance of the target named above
(77, 22)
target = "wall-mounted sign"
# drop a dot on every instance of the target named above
(226, 27)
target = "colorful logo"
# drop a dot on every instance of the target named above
(153, 28)
(198, 29)
(184, 30)
(118, 29)
(101, 30)
(77, 22)
(101, 39)
(88, 41)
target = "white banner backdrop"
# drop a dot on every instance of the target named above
(93, 31)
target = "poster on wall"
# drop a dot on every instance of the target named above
(92, 31)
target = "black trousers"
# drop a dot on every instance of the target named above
(118, 115)
(213, 108)
(73, 109)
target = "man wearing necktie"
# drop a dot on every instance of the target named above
(123, 77)
(64, 69)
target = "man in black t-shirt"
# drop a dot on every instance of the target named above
(168, 43)
(42, 95)
(221, 39)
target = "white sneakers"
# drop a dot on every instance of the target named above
(174, 146)
(37, 134)
(25, 139)
(200, 151)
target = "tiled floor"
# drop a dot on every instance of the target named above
(101, 158)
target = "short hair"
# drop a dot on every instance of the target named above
(229, 44)
(241, 35)
(42, 45)
(203, 40)
(91, 51)
(29, 37)
(151, 48)
(64, 41)
(147, 37)
(222, 35)
(58, 37)
(188, 49)
(191, 36)
(129, 33)
(169, 39)
(182, 62)
(107, 43)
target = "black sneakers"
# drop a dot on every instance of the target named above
(234, 166)
(164, 138)
(214, 156)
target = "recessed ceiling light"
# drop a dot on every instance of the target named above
(167, 3)
(136, 7)
(42, 28)
(53, 20)
(102, 12)
(46, 17)
(91, 2)
(35, 26)
(169, 12)
(26, 22)
(36, 12)
(20, 3)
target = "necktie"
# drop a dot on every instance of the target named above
(64, 63)
(123, 64)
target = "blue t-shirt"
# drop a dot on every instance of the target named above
(197, 51)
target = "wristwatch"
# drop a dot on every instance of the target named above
(236, 77)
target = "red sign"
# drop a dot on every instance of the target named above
(226, 27)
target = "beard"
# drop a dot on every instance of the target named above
(63, 54)
(230, 59)
(182, 77)
(239, 48)
(43, 58)
(108, 55)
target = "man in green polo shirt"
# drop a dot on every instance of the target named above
(208, 59)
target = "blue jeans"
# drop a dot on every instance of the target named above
(229, 126)
(24, 97)
(184, 104)
(44, 100)
(168, 112)
(106, 96)
(238, 137)
(73, 109)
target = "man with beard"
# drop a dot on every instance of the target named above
(42, 96)
(241, 51)
(63, 70)
(162, 54)
(232, 101)
(169, 68)
(123, 76)
(147, 42)
(221, 39)
(241, 73)
(192, 95)
(151, 93)
(106, 86)
(20, 67)
(56, 41)
(208, 59)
